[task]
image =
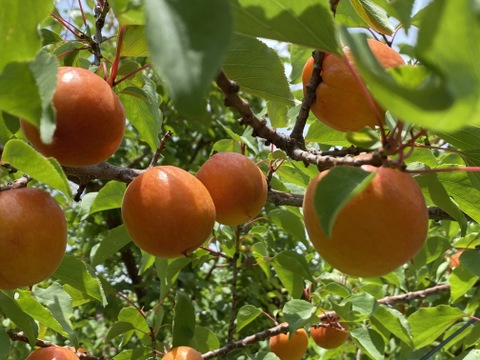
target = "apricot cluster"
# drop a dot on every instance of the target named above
(169, 212)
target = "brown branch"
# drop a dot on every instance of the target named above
(100, 15)
(103, 171)
(283, 328)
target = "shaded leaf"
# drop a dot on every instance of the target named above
(370, 342)
(205, 339)
(115, 240)
(356, 307)
(11, 309)
(394, 322)
(293, 270)
(246, 314)
(299, 313)
(184, 320)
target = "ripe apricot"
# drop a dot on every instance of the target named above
(168, 212)
(340, 102)
(331, 336)
(287, 348)
(183, 353)
(237, 186)
(52, 353)
(90, 120)
(378, 230)
(33, 237)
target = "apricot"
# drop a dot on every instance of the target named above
(237, 186)
(331, 336)
(455, 259)
(183, 353)
(33, 237)
(287, 348)
(340, 102)
(168, 212)
(52, 353)
(378, 230)
(90, 120)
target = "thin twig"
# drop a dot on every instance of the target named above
(159, 151)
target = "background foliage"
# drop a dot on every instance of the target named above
(117, 302)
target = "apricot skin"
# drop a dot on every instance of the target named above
(289, 349)
(237, 186)
(52, 353)
(33, 237)
(329, 337)
(90, 120)
(183, 353)
(340, 102)
(168, 212)
(379, 230)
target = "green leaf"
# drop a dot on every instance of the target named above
(115, 240)
(205, 339)
(356, 307)
(74, 272)
(335, 190)
(128, 12)
(320, 133)
(187, 45)
(109, 197)
(119, 328)
(441, 198)
(143, 113)
(134, 42)
(459, 186)
(246, 314)
(20, 38)
(309, 22)
(467, 138)
(257, 69)
(12, 310)
(374, 15)
(27, 160)
(184, 320)
(289, 221)
(433, 249)
(461, 281)
(278, 114)
(299, 313)
(293, 270)
(429, 323)
(394, 322)
(33, 308)
(135, 318)
(470, 259)
(168, 271)
(4, 345)
(370, 342)
(59, 303)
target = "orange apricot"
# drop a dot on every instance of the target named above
(183, 353)
(378, 230)
(331, 336)
(168, 212)
(287, 348)
(52, 353)
(340, 101)
(237, 186)
(455, 259)
(90, 120)
(33, 237)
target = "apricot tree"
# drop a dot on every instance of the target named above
(147, 270)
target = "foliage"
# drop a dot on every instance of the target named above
(172, 67)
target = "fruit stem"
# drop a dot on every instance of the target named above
(116, 61)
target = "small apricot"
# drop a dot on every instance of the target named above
(287, 348)
(52, 353)
(183, 353)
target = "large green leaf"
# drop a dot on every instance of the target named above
(257, 69)
(292, 269)
(320, 133)
(74, 272)
(335, 190)
(393, 321)
(246, 314)
(12, 310)
(19, 36)
(26, 159)
(445, 95)
(308, 22)
(116, 239)
(109, 197)
(299, 313)
(187, 44)
(32, 307)
(134, 42)
(4, 345)
(128, 12)
(461, 281)
(356, 307)
(205, 339)
(429, 323)
(184, 320)
(370, 341)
